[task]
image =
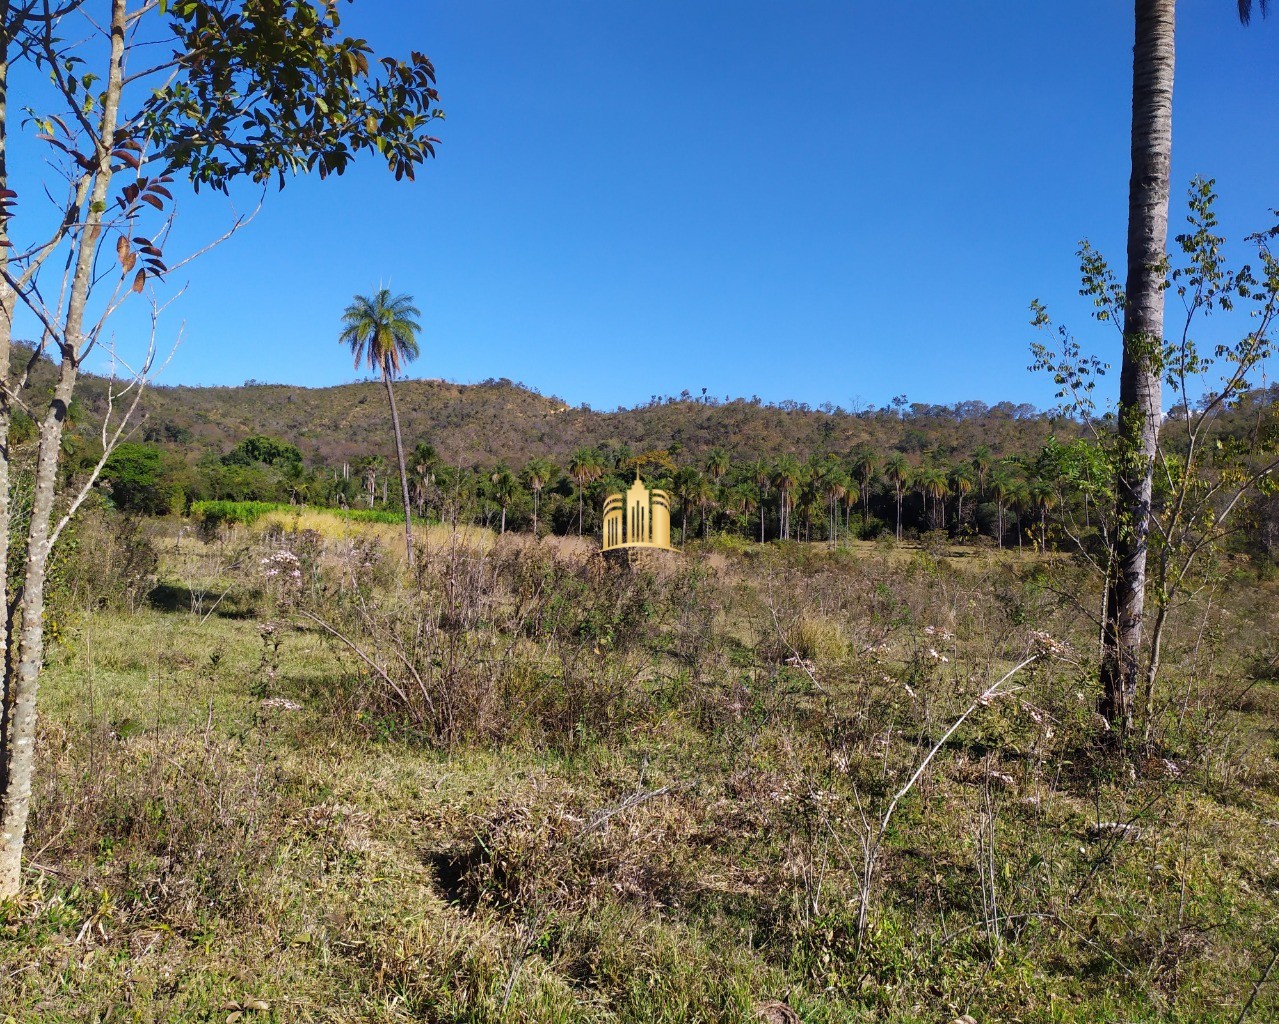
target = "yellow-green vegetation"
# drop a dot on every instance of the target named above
(530, 785)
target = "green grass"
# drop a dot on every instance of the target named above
(246, 513)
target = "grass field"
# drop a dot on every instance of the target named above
(638, 796)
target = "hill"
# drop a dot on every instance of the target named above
(499, 421)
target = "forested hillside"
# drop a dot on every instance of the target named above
(505, 422)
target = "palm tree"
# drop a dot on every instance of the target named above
(717, 465)
(537, 474)
(505, 487)
(424, 461)
(742, 500)
(786, 477)
(704, 493)
(584, 466)
(383, 329)
(763, 477)
(1002, 486)
(961, 483)
(865, 463)
(932, 481)
(684, 485)
(1044, 496)
(898, 472)
(982, 461)
(1021, 501)
(836, 486)
(1140, 386)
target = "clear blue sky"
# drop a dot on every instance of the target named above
(824, 201)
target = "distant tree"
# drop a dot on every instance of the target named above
(1003, 486)
(133, 474)
(898, 472)
(382, 328)
(584, 466)
(704, 495)
(961, 484)
(259, 448)
(982, 461)
(762, 475)
(538, 472)
(717, 465)
(835, 485)
(865, 465)
(932, 481)
(1043, 495)
(504, 487)
(787, 475)
(685, 485)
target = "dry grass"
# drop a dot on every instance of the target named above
(200, 844)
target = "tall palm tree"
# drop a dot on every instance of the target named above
(424, 461)
(685, 485)
(1021, 501)
(382, 328)
(898, 472)
(1044, 497)
(786, 477)
(741, 499)
(865, 464)
(982, 461)
(704, 494)
(1002, 486)
(932, 480)
(504, 487)
(1140, 390)
(836, 486)
(584, 466)
(537, 474)
(717, 465)
(961, 484)
(763, 477)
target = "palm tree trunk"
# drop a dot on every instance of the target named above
(1139, 382)
(504, 519)
(404, 473)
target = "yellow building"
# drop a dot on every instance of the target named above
(640, 518)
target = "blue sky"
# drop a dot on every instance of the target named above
(823, 201)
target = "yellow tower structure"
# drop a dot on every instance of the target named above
(640, 518)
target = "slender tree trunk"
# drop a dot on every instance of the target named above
(503, 532)
(404, 473)
(22, 676)
(1139, 376)
(761, 517)
(579, 508)
(10, 836)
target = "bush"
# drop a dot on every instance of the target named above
(106, 560)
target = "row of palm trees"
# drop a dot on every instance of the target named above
(823, 497)
(381, 329)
